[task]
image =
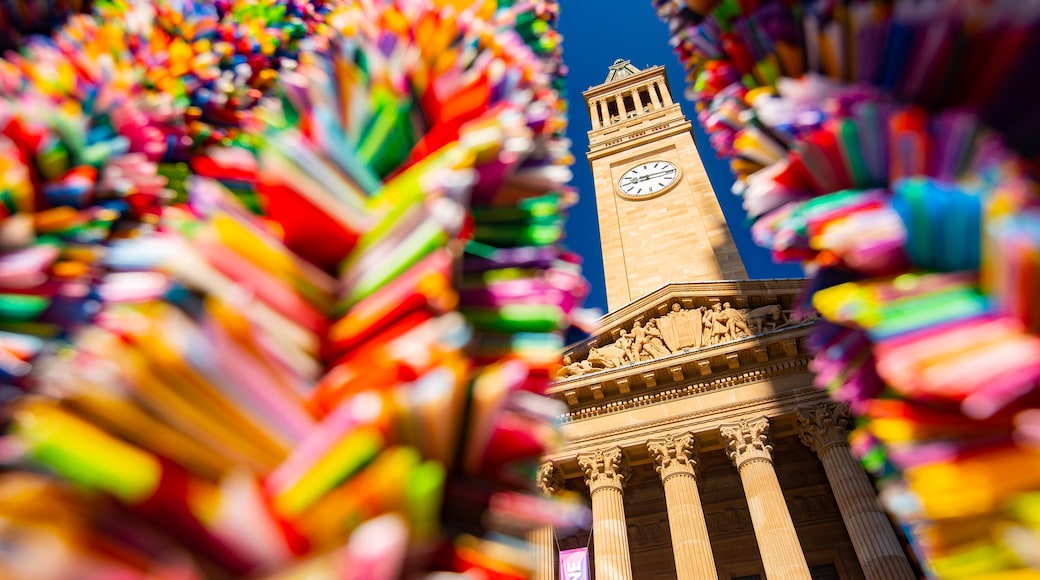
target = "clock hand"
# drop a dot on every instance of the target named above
(658, 174)
(649, 176)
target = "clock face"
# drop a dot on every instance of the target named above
(648, 178)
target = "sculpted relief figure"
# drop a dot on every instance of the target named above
(735, 320)
(624, 342)
(798, 317)
(723, 323)
(681, 328)
(714, 326)
(639, 338)
(607, 357)
(573, 369)
(654, 346)
(765, 318)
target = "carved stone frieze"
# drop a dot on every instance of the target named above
(674, 455)
(680, 329)
(824, 426)
(579, 402)
(604, 468)
(747, 441)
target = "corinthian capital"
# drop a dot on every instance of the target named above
(747, 441)
(548, 479)
(824, 426)
(604, 468)
(674, 455)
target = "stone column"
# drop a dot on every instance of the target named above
(824, 429)
(664, 93)
(747, 444)
(605, 473)
(675, 458)
(622, 112)
(543, 539)
(653, 96)
(636, 101)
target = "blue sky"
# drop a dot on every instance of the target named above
(595, 33)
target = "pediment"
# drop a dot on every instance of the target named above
(684, 318)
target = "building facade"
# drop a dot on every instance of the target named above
(693, 427)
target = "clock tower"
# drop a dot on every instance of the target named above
(692, 362)
(659, 219)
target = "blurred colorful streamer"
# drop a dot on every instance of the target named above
(281, 287)
(891, 147)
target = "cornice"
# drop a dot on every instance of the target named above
(638, 78)
(637, 138)
(791, 401)
(733, 380)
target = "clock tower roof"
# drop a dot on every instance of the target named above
(620, 69)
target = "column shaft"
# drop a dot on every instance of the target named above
(610, 534)
(542, 541)
(778, 543)
(747, 444)
(653, 96)
(690, 544)
(605, 473)
(664, 93)
(825, 430)
(675, 459)
(879, 552)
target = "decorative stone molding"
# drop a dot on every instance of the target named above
(674, 455)
(664, 394)
(747, 441)
(549, 480)
(824, 426)
(606, 468)
(618, 432)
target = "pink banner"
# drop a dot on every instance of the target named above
(574, 564)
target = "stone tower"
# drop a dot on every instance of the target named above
(659, 219)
